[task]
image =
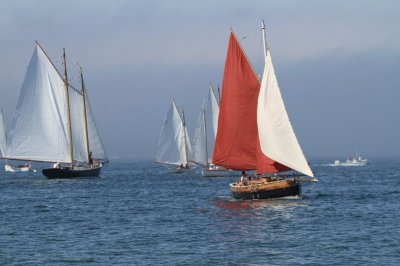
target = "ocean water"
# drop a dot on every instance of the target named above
(139, 214)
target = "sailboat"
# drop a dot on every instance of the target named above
(53, 122)
(204, 137)
(25, 167)
(254, 131)
(174, 144)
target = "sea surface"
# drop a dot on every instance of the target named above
(139, 214)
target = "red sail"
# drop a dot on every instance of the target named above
(237, 146)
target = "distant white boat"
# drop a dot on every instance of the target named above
(19, 168)
(358, 161)
(218, 171)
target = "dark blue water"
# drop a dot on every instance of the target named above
(137, 214)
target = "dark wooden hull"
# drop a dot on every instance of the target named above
(53, 173)
(267, 191)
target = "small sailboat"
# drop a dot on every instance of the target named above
(204, 137)
(26, 167)
(53, 122)
(174, 144)
(254, 131)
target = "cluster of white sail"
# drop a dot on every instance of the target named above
(174, 145)
(276, 136)
(40, 129)
(206, 130)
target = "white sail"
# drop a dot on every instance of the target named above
(174, 144)
(95, 143)
(206, 130)
(186, 143)
(3, 135)
(213, 107)
(200, 151)
(277, 138)
(39, 130)
(78, 125)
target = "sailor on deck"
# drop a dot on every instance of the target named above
(243, 179)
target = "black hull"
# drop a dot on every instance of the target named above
(269, 194)
(53, 173)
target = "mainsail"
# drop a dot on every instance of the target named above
(206, 130)
(78, 136)
(39, 130)
(237, 144)
(174, 144)
(40, 127)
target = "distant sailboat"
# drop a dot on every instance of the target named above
(204, 137)
(53, 122)
(254, 131)
(3, 147)
(174, 144)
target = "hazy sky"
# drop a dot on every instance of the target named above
(337, 63)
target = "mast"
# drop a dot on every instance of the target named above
(205, 134)
(71, 147)
(85, 116)
(219, 96)
(264, 35)
(184, 139)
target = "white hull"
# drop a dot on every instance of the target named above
(179, 170)
(217, 173)
(12, 169)
(353, 162)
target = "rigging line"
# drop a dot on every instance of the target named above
(73, 69)
(250, 35)
(75, 89)
(260, 59)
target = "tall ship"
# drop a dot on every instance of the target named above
(53, 122)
